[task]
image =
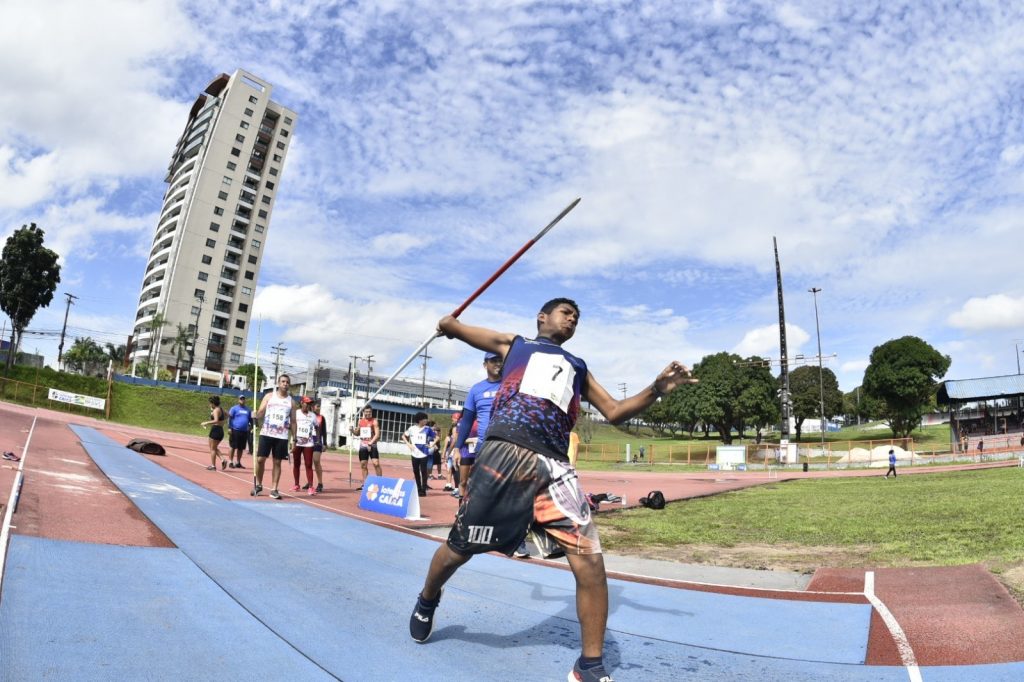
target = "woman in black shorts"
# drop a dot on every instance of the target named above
(216, 425)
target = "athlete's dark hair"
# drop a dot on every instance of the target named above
(215, 401)
(555, 302)
(419, 416)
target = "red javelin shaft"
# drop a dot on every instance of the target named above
(476, 294)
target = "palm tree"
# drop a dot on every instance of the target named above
(116, 354)
(158, 322)
(179, 345)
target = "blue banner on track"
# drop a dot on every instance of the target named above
(391, 496)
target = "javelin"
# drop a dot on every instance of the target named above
(472, 297)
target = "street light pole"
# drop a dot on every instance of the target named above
(821, 372)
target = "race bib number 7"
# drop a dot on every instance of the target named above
(549, 377)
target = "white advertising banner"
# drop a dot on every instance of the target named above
(76, 399)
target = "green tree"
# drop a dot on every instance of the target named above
(86, 357)
(156, 324)
(179, 344)
(29, 274)
(859, 406)
(733, 393)
(902, 376)
(116, 354)
(804, 389)
(247, 371)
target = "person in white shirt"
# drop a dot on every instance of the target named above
(420, 438)
(277, 410)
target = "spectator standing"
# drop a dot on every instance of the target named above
(277, 410)
(305, 437)
(319, 445)
(240, 431)
(419, 437)
(368, 431)
(216, 424)
(892, 464)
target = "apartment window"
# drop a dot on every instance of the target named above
(217, 210)
(243, 307)
(239, 137)
(214, 227)
(226, 180)
(195, 311)
(249, 274)
(248, 112)
(254, 99)
(287, 121)
(273, 171)
(207, 260)
(200, 294)
(280, 144)
(203, 276)
(265, 199)
(262, 213)
(232, 165)
(235, 151)
(260, 228)
(237, 341)
(235, 357)
(210, 243)
(223, 196)
(284, 133)
(256, 243)
(244, 125)
(246, 291)
(192, 327)
(239, 324)
(252, 259)
(270, 185)
(277, 157)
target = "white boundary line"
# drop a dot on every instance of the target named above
(5, 531)
(902, 643)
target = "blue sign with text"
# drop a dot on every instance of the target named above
(391, 496)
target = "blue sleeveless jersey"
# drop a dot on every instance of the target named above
(539, 399)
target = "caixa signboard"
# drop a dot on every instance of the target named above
(391, 496)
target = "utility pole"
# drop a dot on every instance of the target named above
(369, 373)
(783, 361)
(195, 338)
(821, 372)
(423, 386)
(67, 309)
(316, 374)
(278, 350)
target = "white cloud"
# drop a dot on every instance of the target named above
(998, 311)
(764, 341)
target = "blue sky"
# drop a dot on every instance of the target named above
(882, 143)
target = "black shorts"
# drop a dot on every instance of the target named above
(513, 490)
(278, 447)
(217, 433)
(238, 439)
(368, 452)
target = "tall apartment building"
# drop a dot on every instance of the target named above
(221, 184)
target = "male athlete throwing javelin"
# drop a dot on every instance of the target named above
(523, 464)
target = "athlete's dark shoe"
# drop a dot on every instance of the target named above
(421, 623)
(275, 494)
(359, 488)
(319, 487)
(256, 490)
(306, 487)
(223, 465)
(596, 674)
(521, 552)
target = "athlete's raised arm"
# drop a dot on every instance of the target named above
(479, 337)
(617, 411)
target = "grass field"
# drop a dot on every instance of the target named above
(935, 519)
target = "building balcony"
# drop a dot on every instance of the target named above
(152, 287)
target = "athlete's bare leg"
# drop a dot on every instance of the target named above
(591, 600)
(442, 567)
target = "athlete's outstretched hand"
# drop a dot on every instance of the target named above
(672, 377)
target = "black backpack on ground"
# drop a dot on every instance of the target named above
(654, 500)
(146, 447)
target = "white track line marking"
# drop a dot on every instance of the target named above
(5, 530)
(902, 643)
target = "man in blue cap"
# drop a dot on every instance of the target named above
(476, 415)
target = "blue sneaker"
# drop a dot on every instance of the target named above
(421, 623)
(596, 674)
